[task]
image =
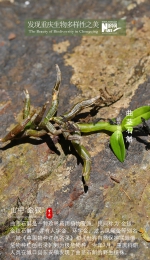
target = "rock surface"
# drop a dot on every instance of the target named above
(37, 174)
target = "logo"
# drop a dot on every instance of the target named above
(111, 27)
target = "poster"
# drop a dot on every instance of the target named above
(72, 188)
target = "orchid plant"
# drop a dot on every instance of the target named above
(36, 124)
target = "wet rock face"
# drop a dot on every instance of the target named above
(37, 174)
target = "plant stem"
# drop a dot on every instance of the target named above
(88, 128)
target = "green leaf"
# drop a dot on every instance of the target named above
(117, 145)
(141, 110)
(136, 117)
